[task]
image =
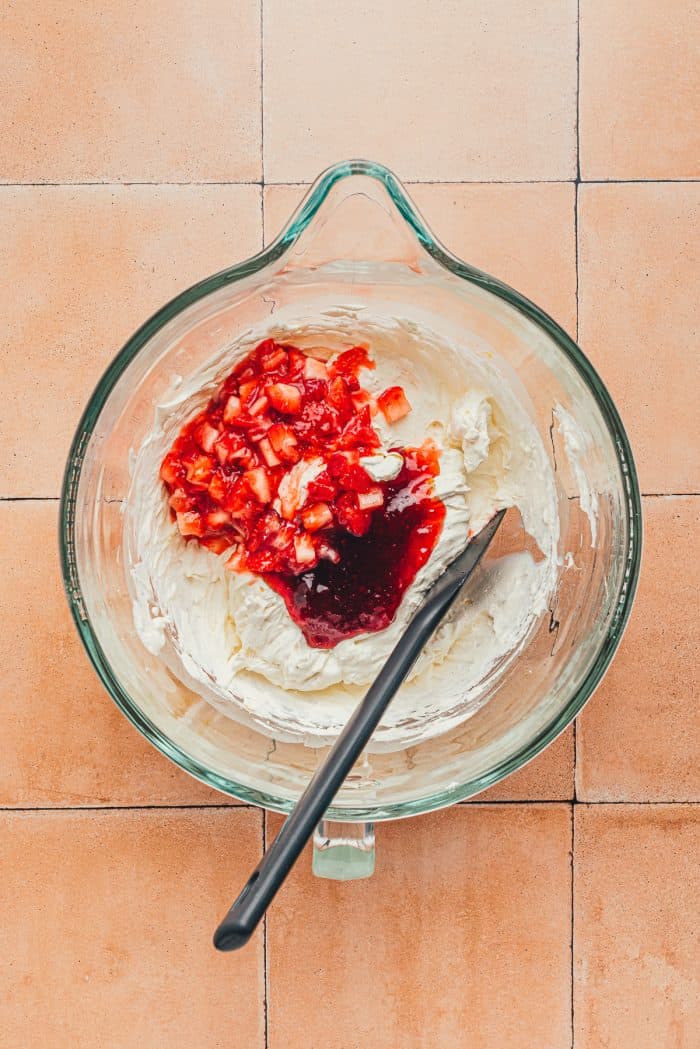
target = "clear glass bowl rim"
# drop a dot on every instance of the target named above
(287, 238)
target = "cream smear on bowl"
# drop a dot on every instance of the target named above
(229, 636)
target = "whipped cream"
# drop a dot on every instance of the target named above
(229, 636)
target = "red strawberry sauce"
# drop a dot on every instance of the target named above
(340, 548)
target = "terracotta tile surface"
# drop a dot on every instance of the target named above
(638, 737)
(549, 777)
(474, 91)
(87, 266)
(462, 938)
(636, 889)
(110, 92)
(640, 89)
(639, 318)
(64, 740)
(523, 234)
(107, 925)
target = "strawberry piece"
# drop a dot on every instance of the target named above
(216, 520)
(180, 500)
(322, 488)
(393, 404)
(231, 447)
(327, 553)
(199, 471)
(236, 561)
(315, 369)
(274, 359)
(232, 409)
(350, 516)
(345, 469)
(218, 488)
(259, 405)
(285, 398)
(350, 361)
(317, 516)
(304, 550)
(267, 452)
(339, 397)
(259, 484)
(171, 470)
(284, 442)
(207, 436)
(359, 432)
(190, 523)
(218, 543)
(248, 390)
(371, 499)
(364, 399)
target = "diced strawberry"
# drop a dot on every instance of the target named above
(350, 516)
(171, 470)
(190, 523)
(316, 390)
(327, 553)
(207, 436)
(350, 361)
(259, 405)
(322, 488)
(345, 469)
(297, 359)
(267, 452)
(259, 484)
(339, 397)
(359, 432)
(371, 499)
(317, 516)
(362, 399)
(284, 442)
(231, 447)
(285, 398)
(393, 404)
(218, 487)
(275, 359)
(304, 550)
(232, 408)
(199, 471)
(217, 519)
(247, 390)
(237, 559)
(218, 543)
(180, 500)
(315, 369)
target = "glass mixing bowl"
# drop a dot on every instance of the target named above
(357, 242)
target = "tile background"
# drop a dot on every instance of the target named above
(556, 145)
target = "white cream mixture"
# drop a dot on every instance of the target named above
(229, 636)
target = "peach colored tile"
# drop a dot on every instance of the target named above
(637, 738)
(461, 939)
(87, 265)
(524, 234)
(549, 777)
(64, 740)
(636, 957)
(640, 89)
(107, 924)
(161, 92)
(638, 320)
(439, 91)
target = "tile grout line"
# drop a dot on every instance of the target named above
(406, 181)
(263, 813)
(247, 807)
(266, 981)
(573, 848)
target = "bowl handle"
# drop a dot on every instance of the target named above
(343, 851)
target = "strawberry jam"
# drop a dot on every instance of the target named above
(273, 472)
(361, 592)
